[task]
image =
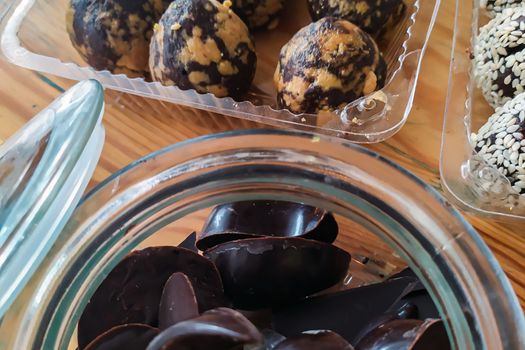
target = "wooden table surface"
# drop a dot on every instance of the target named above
(136, 127)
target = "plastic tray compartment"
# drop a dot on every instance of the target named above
(467, 179)
(34, 36)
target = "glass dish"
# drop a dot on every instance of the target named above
(468, 180)
(33, 36)
(388, 219)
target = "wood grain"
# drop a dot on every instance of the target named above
(137, 126)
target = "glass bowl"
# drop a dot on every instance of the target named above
(384, 212)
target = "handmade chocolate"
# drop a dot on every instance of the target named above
(326, 65)
(376, 17)
(407, 334)
(318, 340)
(258, 14)
(203, 45)
(132, 290)
(249, 219)
(217, 329)
(494, 7)
(268, 271)
(134, 336)
(178, 301)
(347, 312)
(500, 142)
(499, 57)
(114, 34)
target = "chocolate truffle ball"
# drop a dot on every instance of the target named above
(326, 65)
(494, 7)
(499, 57)
(375, 17)
(114, 34)
(258, 14)
(203, 45)
(501, 142)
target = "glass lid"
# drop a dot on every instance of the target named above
(44, 169)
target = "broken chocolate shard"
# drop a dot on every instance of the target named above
(346, 313)
(178, 301)
(418, 296)
(132, 290)
(269, 271)
(408, 272)
(218, 329)
(189, 242)
(249, 219)
(400, 310)
(407, 334)
(134, 336)
(318, 340)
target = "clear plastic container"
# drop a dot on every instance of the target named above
(468, 180)
(385, 214)
(33, 35)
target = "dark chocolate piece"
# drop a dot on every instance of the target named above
(269, 271)
(217, 329)
(407, 334)
(406, 272)
(114, 34)
(178, 301)
(326, 65)
(134, 336)
(132, 290)
(250, 219)
(203, 45)
(318, 340)
(375, 17)
(419, 297)
(346, 313)
(189, 242)
(399, 311)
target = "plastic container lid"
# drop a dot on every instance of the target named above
(44, 169)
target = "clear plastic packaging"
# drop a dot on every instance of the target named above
(467, 179)
(33, 35)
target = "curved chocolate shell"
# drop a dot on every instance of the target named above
(250, 219)
(132, 290)
(269, 271)
(349, 313)
(178, 301)
(318, 340)
(217, 329)
(133, 336)
(407, 334)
